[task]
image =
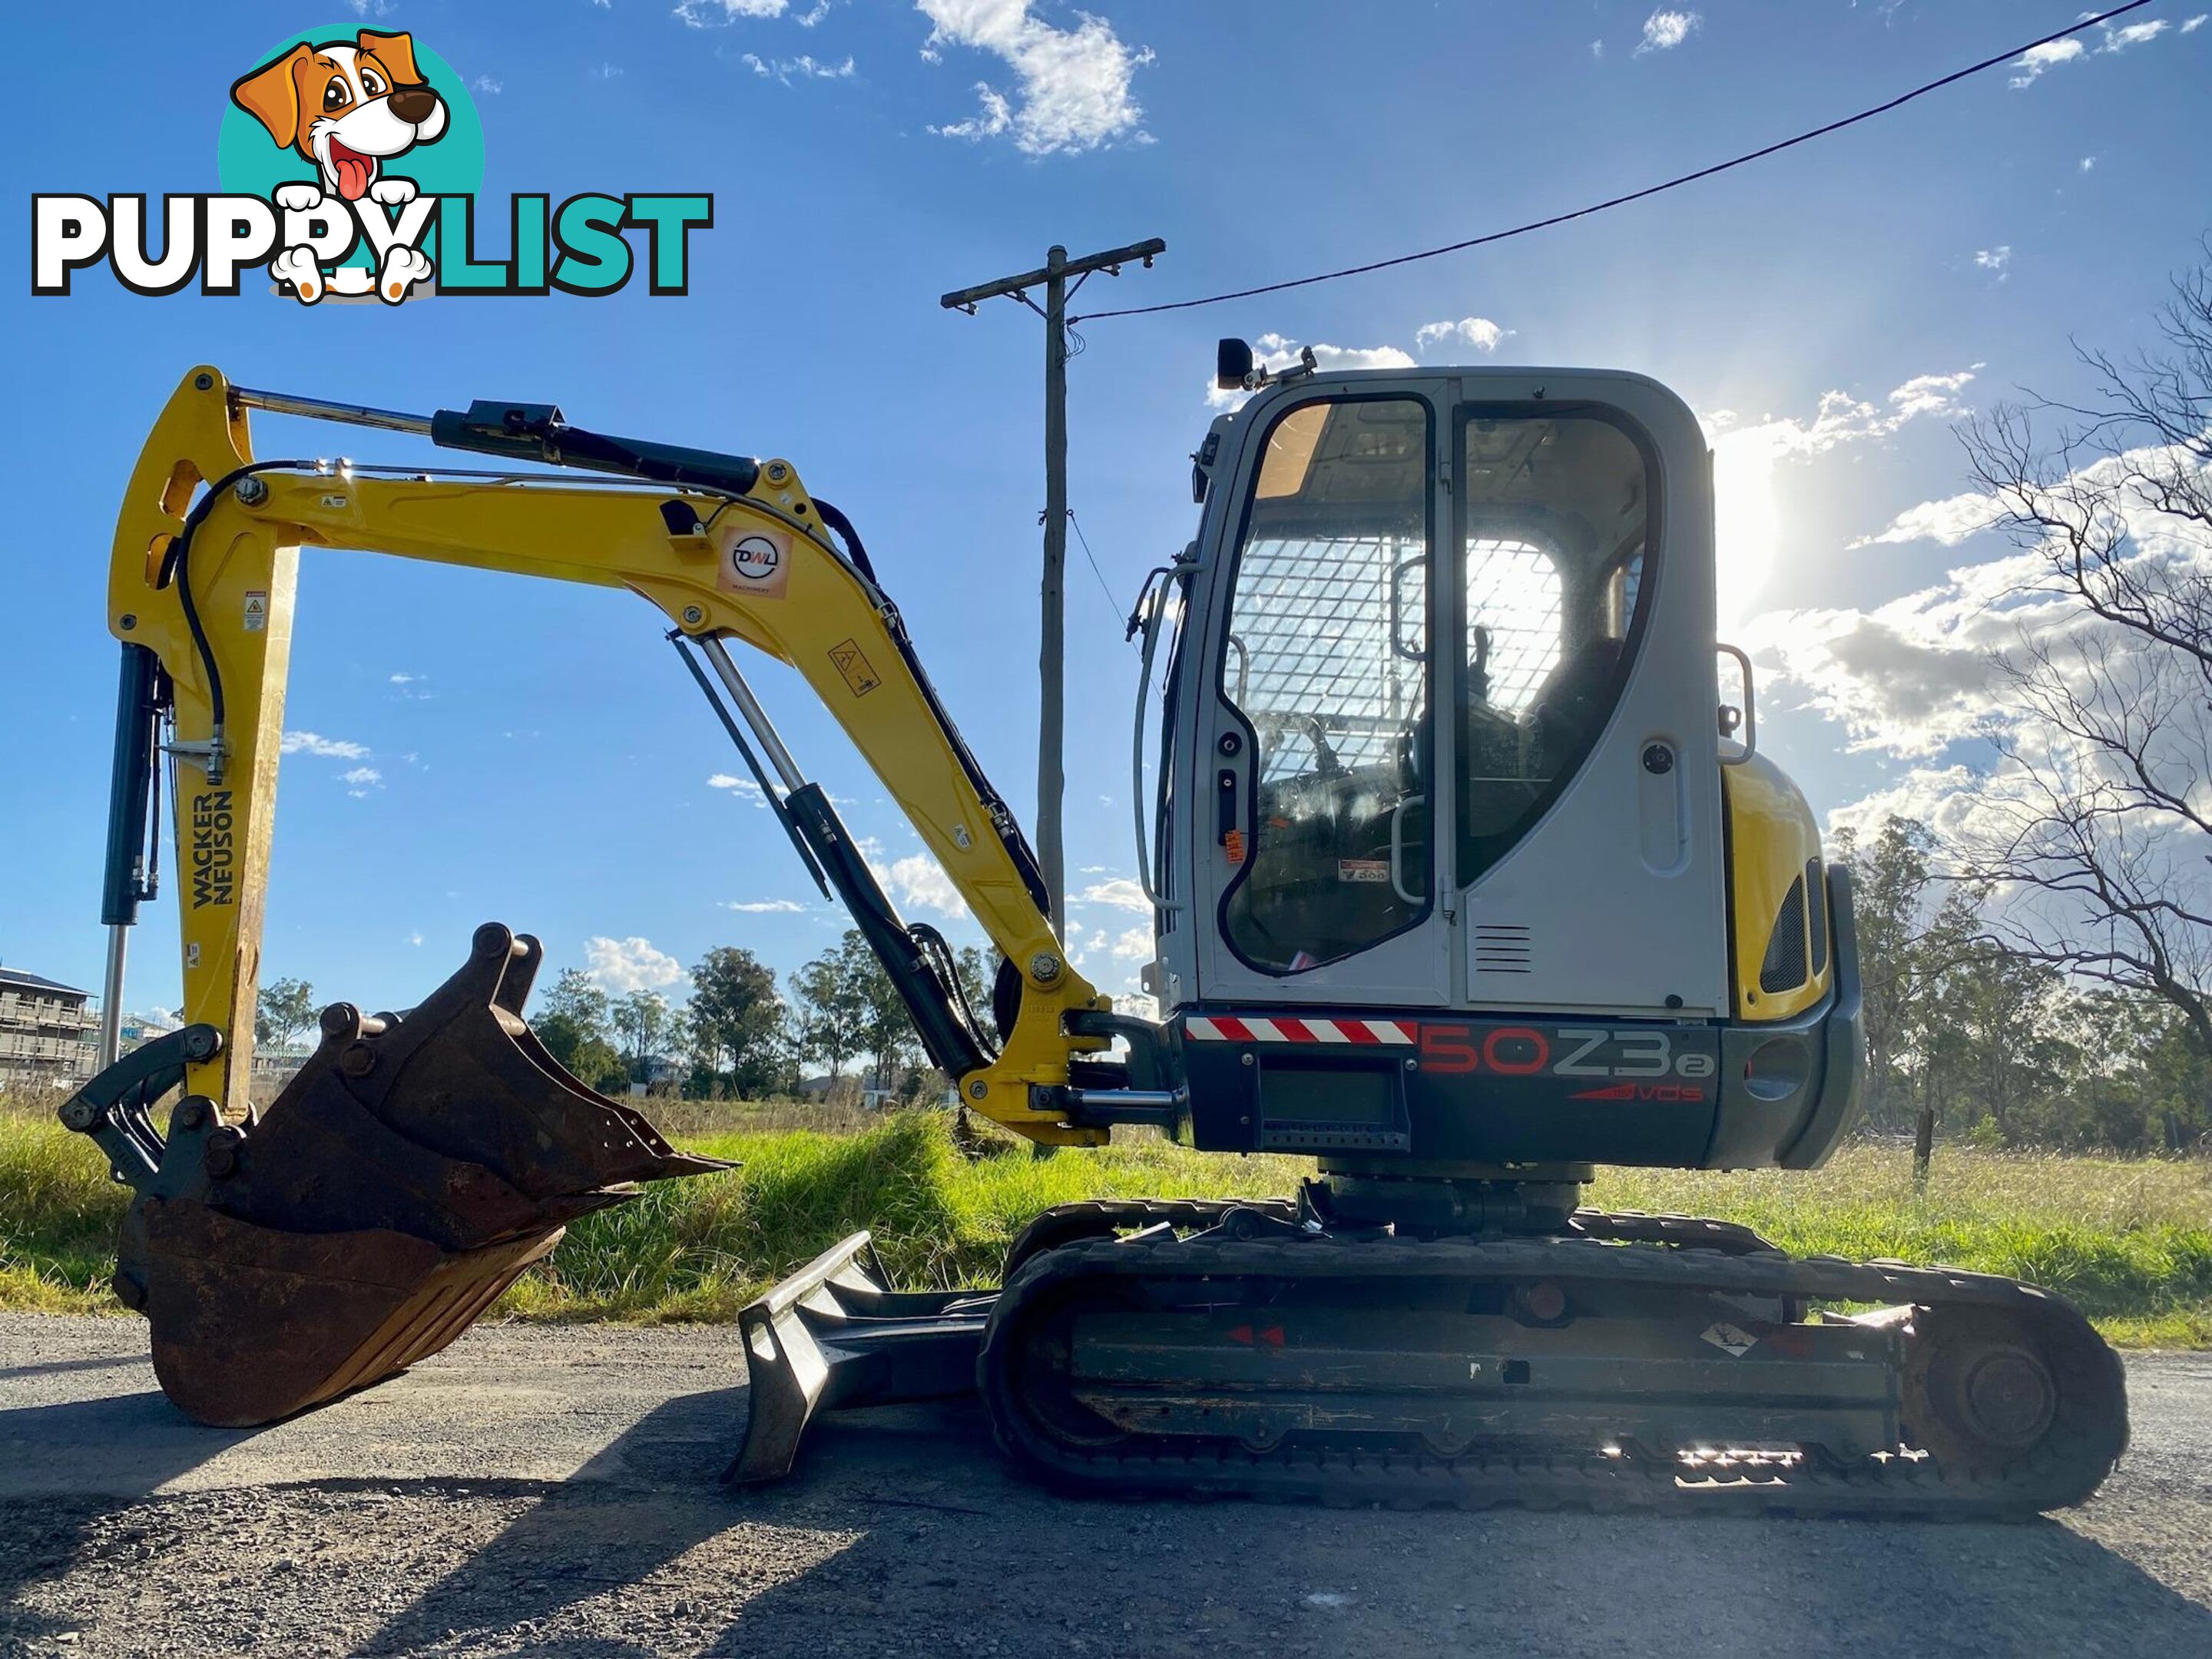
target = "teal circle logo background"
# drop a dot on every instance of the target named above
(249, 163)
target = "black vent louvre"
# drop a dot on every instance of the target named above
(1502, 948)
(1816, 908)
(1784, 967)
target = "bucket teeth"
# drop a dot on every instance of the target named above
(414, 1168)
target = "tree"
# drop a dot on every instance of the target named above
(849, 1008)
(886, 1032)
(286, 1008)
(642, 1020)
(577, 997)
(829, 1012)
(573, 1023)
(737, 1018)
(979, 973)
(2095, 828)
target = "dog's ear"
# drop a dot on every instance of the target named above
(271, 95)
(396, 52)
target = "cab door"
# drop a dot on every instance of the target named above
(1450, 740)
(1311, 839)
(1586, 857)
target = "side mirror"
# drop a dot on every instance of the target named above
(1232, 363)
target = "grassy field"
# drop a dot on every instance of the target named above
(2130, 1241)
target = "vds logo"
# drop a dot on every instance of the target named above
(350, 166)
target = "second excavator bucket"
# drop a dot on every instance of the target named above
(410, 1172)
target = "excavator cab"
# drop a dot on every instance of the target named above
(1448, 834)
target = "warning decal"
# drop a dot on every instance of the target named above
(1363, 869)
(1731, 1339)
(845, 657)
(754, 563)
(257, 611)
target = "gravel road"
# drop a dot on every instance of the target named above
(554, 1492)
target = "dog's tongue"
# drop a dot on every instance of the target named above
(355, 171)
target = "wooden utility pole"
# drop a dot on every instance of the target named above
(1052, 277)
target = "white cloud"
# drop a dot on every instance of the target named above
(361, 776)
(2036, 60)
(486, 83)
(1597, 48)
(743, 788)
(1994, 258)
(2089, 164)
(1477, 331)
(404, 679)
(1929, 394)
(2195, 23)
(1909, 678)
(2132, 34)
(1275, 352)
(1121, 893)
(606, 71)
(1947, 522)
(1915, 675)
(1665, 30)
(314, 742)
(701, 14)
(1748, 457)
(623, 965)
(765, 907)
(801, 68)
(415, 937)
(1073, 84)
(919, 879)
(993, 119)
(1934, 795)
(1134, 945)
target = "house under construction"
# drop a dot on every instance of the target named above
(47, 1030)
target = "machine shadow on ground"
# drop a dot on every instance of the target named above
(903, 1533)
(148, 1442)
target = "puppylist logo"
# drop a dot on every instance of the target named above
(351, 163)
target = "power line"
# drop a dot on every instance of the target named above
(1104, 586)
(1634, 195)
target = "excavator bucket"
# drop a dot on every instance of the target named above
(411, 1171)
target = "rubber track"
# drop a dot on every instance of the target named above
(2064, 1470)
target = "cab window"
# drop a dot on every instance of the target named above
(1553, 519)
(1326, 657)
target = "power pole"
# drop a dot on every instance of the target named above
(1052, 277)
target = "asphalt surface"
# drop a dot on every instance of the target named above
(554, 1492)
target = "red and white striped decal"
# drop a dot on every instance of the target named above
(1251, 1027)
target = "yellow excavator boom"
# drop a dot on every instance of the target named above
(208, 587)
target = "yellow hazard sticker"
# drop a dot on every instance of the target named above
(845, 658)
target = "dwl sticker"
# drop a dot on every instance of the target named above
(756, 563)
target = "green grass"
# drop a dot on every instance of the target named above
(2130, 1240)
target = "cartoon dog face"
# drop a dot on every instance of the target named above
(347, 106)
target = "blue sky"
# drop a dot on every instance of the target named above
(492, 747)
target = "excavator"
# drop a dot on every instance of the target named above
(1467, 874)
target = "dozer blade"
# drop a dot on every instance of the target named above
(834, 1335)
(414, 1168)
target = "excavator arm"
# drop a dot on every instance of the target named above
(201, 592)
